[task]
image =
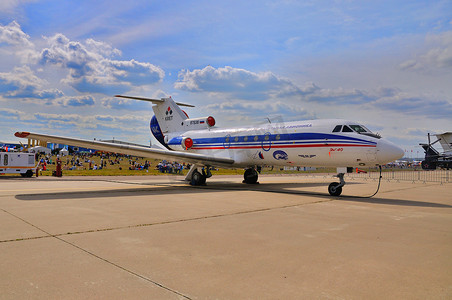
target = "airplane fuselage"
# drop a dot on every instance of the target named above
(305, 143)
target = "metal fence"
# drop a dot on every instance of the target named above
(440, 176)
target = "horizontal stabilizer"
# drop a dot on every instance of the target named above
(155, 101)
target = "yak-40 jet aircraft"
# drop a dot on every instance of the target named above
(315, 143)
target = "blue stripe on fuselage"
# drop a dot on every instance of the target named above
(297, 138)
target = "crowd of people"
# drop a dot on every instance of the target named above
(99, 161)
(134, 165)
(171, 167)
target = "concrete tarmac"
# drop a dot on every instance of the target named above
(285, 238)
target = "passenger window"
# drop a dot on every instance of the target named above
(337, 128)
(256, 138)
(346, 129)
(5, 160)
(245, 139)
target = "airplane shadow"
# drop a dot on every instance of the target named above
(223, 186)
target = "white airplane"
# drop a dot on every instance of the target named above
(316, 143)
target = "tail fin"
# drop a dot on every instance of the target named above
(169, 116)
(445, 141)
(173, 119)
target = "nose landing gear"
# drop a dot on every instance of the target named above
(335, 188)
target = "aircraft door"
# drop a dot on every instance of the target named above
(227, 141)
(371, 155)
(266, 142)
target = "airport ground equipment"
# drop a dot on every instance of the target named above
(17, 163)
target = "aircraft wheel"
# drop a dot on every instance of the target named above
(197, 178)
(428, 165)
(334, 189)
(250, 176)
(29, 173)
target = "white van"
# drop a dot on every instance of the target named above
(17, 162)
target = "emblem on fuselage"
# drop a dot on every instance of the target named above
(258, 155)
(280, 155)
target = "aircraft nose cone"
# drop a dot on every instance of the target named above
(388, 152)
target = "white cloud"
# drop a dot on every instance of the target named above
(259, 111)
(125, 104)
(385, 99)
(89, 65)
(77, 101)
(14, 114)
(91, 68)
(91, 125)
(243, 85)
(238, 83)
(12, 34)
(22, 83)
(415, 105)
(20, 43)
(438, 55)
(9, 7)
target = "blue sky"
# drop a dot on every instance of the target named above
(387, 64)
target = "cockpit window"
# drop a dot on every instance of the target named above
(359, 128)
(346, 129)
(363, 130)
(356, 128)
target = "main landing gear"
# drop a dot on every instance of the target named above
(250, 176)
(199, 178)
(335, 188)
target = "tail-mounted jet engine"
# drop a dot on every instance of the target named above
(188, 124)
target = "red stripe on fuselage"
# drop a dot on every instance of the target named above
(280, 146)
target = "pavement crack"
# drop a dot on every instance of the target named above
(58, 237)
(48, 235)
(123, 268)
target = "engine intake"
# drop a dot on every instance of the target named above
(187, 143)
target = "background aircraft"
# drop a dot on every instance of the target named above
(434, 158)
(331, 143)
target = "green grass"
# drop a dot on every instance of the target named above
(122, 169)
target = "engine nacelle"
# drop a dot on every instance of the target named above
(198, 123)
(187, 143)
(180, 143)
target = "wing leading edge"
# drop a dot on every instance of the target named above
(193, 158)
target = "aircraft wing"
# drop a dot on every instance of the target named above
(188, 157)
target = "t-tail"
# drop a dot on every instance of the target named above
(169, 119)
